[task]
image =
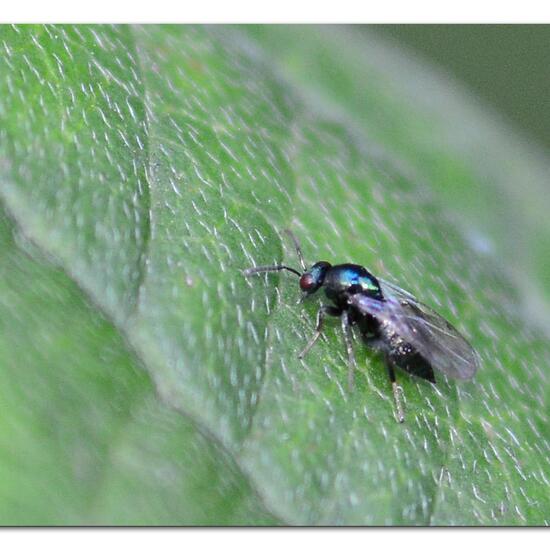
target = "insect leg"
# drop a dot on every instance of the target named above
(396, 390)
(346, 329)
(323, 311)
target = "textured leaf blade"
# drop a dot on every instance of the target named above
(232, 153)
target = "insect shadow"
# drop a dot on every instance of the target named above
(410, 335)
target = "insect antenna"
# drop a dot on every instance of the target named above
(298, 248)
(268, 268)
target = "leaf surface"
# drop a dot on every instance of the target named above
(144, 168)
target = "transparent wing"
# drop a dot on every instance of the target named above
(429, 333)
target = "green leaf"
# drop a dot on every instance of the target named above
(84, 437)
(142, 169)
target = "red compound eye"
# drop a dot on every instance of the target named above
(306, 282)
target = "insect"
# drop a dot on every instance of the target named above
(409, 334)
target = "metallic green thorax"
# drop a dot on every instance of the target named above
(351, 278)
